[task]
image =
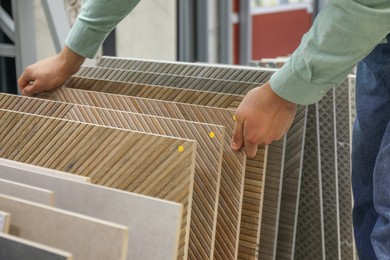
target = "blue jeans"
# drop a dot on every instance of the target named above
(371, 156)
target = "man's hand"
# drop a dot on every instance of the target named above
(261, 118)
(49, 73)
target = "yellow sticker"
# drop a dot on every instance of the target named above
(181, 148)
(212, 135)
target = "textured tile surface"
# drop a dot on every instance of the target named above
(111, 157)
(154, 224)
(233, 164)
(210, 140)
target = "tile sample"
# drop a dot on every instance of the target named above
(5, 219)
(169, 80)
(85, 237)
(154, 224)
(309, 242)
(190, 96)
(33, 168)
(233, 163)
(204, 70)
(251, 216)
(26, 192)
(293, 166)
(109, 156)
(210, 139)
(14, 248)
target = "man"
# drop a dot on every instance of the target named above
(344, 33)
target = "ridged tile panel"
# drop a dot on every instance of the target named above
(109, 156)
(210, 140)
(233, 164)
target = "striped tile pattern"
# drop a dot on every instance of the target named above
(233, 164)
(111, 157)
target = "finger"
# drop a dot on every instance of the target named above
(32, 89)
(250, 141)
(24, 80)
(238, 138)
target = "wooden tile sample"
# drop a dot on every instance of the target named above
(4, 222)
(233, 164)
(179, 81)
(27, 192)
(14, 248)
(85, 237)
(204, 70)
(253, 190)
(265, 245)
(189, 96)
(293, 166)
(154, 224)
(111, 157)
(210, 139)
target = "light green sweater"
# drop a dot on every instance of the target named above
(342, 35)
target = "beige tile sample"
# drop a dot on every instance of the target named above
(154, 224)
(34, 168)
(5, 219)
(233, 164)
(210, 139)
(26, 192)
(14, 248)
(111, 157)
(85, 237)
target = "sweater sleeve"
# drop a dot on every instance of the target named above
(97, 18)
(343, 34)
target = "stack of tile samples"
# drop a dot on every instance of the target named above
(163, 130)
(324, 222)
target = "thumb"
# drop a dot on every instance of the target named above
(238, 139)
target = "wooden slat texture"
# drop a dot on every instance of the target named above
(26, 192)
(169, 80)
(204, 70)
(111, 157)
(85, 237)
(233, 164)
(252, 201)
(293, 163)
(210, 139)
(154, 224)
(189, 96)
(14, 248)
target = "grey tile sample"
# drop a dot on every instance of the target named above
(309, 243)
(14, 248)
